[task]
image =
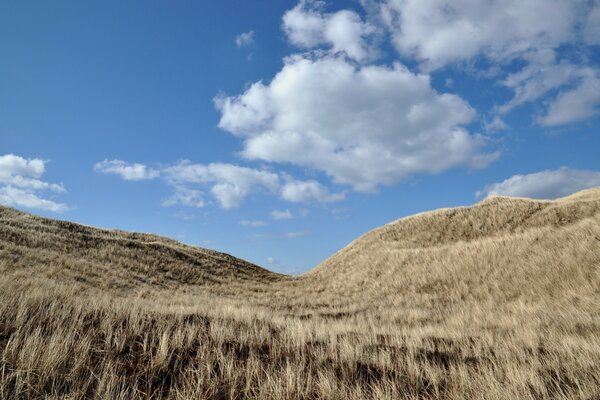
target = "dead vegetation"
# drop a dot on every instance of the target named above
(499, 300)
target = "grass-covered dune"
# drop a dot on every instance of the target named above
(498, 300)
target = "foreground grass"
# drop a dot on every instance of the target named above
(56, 345)
(408, 311)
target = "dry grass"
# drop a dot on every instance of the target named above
(500, 300)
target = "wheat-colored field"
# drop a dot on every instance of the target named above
(496, 301)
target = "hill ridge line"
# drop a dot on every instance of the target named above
(147, 238)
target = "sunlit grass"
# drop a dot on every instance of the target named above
(497, 301)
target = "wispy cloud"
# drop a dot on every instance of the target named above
(253, 223)
(186, 197)
(282, 214)
(228, 184)
(293, 235)
(245, 39)
(127, 171)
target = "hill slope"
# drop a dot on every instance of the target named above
(111, 259)
(500, 244)
(498, 300)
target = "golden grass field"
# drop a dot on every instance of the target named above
(496, 301)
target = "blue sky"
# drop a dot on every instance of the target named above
(280, 131)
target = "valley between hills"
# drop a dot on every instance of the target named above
(494, 301)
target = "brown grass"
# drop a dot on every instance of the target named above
(495, 301)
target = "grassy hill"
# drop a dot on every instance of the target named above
(499, 300)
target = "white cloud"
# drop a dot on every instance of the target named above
(343, 31)
(230, 184)
(127, 171)
(363, 126)
(20, 183)
(304, 24)
(591, 27)
(438, 32)
(14, 197)
(271, 260)
(244, 39)
(305, 191)
(282, 214)
(25, 173)
(548, 184)
(252, 223)
(12, 165)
